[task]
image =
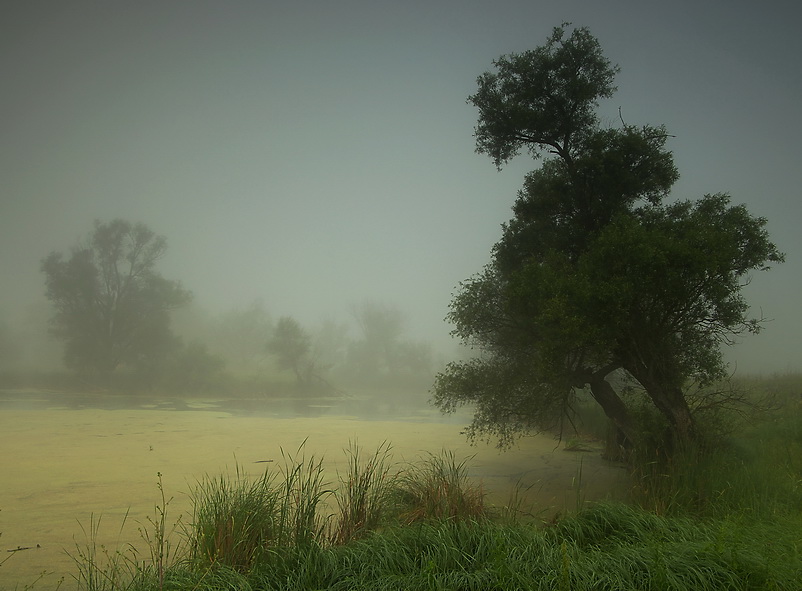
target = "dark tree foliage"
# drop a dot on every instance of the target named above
(595, 277)
(111, 306)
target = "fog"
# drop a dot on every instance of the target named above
(314, 155)
(311, 159)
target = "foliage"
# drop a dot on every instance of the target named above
(291, 345)
(543, 97)
(111, 306)
(595, 280)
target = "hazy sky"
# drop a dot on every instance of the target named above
(318, 154)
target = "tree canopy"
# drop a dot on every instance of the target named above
(597, 276)
(111, 305)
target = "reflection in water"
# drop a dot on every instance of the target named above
(67, 458)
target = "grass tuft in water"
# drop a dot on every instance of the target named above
(439, 488)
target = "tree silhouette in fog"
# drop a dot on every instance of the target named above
(111, 305)
(292, 345)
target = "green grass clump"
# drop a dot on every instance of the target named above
(439, 488)
(365, 498)
(236, 522)
(604, 547)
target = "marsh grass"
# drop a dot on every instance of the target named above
(724, 516)
(438, 487)
(158, 538)
(608, 546)
(100, 568)
(605, 547)
(759, 471)
(237, 521)
(233, 520)
(366, 495)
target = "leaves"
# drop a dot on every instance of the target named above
(542, 99)
(594, 274)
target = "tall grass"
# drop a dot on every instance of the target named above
(604, 547)
(439, 488)
(99, 568)
(233, 520)
(757, 469)
(237, 522)
(365, 497)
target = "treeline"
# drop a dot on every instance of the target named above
(372, 349)
(121, 325)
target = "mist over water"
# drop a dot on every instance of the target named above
(311, 162)
(69, 460)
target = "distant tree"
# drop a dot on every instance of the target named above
(111, 305)
(381, 326)
(381, 353)
(291, 345)
(594, 278)
(192, 368)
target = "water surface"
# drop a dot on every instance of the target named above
(69, 461)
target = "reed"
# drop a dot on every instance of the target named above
(99, 568)
(237, 521)
(365, 497)
(438, 487)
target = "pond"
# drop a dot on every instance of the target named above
(71, 461)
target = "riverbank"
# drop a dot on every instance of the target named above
(64, 468)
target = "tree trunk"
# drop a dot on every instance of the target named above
(670, 401)
(615, 409)
(675, 408)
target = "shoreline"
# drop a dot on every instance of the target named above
(71, 469)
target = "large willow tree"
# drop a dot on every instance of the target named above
(597, 276)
